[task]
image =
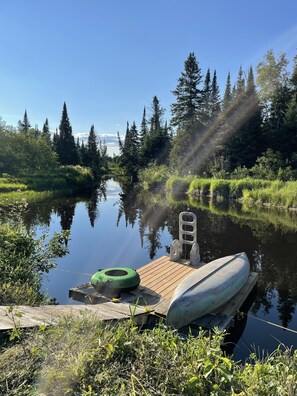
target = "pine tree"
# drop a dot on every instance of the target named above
(65, 144)
(24, 126)
(215, 100)
(186, 115)
(45, 134)
(92, 152)
(188, 95)
(129, 151)
(205, 111)
(155, 145)
(228, 94)
(245, 121)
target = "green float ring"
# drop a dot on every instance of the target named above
(115, 280)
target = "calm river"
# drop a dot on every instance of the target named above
(113, 228)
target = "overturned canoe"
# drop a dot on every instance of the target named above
(207, 288)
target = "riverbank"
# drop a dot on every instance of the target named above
(40, 186)
(276, 194)
(86, 357)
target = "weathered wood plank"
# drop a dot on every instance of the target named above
(50, 314)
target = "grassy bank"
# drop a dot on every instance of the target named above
(255, 191)
(39, 186)
(85, 357)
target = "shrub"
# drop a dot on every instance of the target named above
(23, 260)
(178, 185)
(153, 176)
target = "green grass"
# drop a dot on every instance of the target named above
(11, 185)
(279, 194)
(83, 356)
(153, 177)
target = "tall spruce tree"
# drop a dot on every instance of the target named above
(228, 94)
(45, 134)
(129, 150)
(92, 152)
(24, 126)
(205, 109)
(155, 145)
(65, 144)
(215, 100)
(246, 143)
(186, 115)
(188, 95)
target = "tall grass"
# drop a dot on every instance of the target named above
(280, 194)
(82, 356)
(178, 185)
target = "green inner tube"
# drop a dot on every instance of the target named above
(113, 281)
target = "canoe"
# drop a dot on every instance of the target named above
(207, 288)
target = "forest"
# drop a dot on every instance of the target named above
(249, 131)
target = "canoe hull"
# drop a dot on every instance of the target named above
(207, 288)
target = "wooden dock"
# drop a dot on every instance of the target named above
(152, 297)
(26, 316)
(158, 282)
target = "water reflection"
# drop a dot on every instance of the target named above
(116, 226)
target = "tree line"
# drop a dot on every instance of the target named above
(28, 149)
(250, 131)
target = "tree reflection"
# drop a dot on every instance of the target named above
(223, 230)
(92, 205)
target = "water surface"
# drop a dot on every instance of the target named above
(116, 228)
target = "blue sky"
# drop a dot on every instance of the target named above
(108, 58)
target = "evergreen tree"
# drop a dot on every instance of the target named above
(215, 100)
(45, 134)
(143, 127)
(92, 152)
(24, 126)
(188, 144)
(155, 145)
(246, 143)
(129, 151)
(65, 144)
(188, 95)
(228, 94)
(205, 111)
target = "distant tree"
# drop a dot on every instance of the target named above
(24, 126)
(155, 145)
(205, 111)
(129, 151)
(65, 143)
(143, 127)
(215, 100)
(45, 134)
(92, 152)
(273, 81)
(227, 95)
(245, 122)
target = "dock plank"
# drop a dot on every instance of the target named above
(50, 314)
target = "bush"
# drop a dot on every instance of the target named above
(153, 176)
(178, 185)
(23, 260)
(84, 356)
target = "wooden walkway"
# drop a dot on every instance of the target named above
(26, 316)
(152, 297)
